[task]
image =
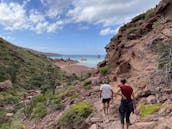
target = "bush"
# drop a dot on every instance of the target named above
(148, 109)
(9, 99)
(131, 30)
(13, 124)
(139, 17)
(87, 84)
(45, 88)
(74, 116)
(156, 24)
(150, 13)
(85, 76)
(104, 70)
(163, 50)
(2, 116)
(39, 111)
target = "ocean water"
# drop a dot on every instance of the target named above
(90, 61)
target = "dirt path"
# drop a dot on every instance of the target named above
(110, 121)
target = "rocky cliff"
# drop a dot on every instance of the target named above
(131, 52)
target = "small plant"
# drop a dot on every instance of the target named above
(39, 111)
(9, 99)
(131, 30)
(74, 116)
(148, 109)
(156, 24)
(104, 70)
(150, 13)
(138, 17)
(87, 84)
(163, 50)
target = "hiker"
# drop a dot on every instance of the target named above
(106, 93)
(127, 102)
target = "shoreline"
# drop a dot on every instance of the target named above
(73, 66)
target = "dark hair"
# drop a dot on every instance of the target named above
(123, 81)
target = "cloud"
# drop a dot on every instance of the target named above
(106, 31)
(54, 14)
(107, 12)
(14, 16)
(56, 7)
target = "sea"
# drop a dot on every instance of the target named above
(90, 61)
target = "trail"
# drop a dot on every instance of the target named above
(111, 121)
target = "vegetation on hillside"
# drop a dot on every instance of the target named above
(148, 109)
(28, 71)
(74, 116)
(163, 49)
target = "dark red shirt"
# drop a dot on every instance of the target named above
(126, 91)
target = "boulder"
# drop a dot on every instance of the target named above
(151, 99)
(94, 126)
(9, 114)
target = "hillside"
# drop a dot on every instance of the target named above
(35, 94)
(22, 76)
(48, 54)
(23, 67)
(140, 51)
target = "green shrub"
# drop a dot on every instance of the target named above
(150, 13)
(87, 84)
(163, 50)
(131, 30)
(104, 70)
(74, 116)
(3, 112)
(13, 124)
(45, 88)
(138, 17)
(39, 111)
(74, 96)
(9, 99)
(148, 109)
(39, 99)
(84, 76)
(156, 24)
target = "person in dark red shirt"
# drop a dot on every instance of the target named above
(127, 102)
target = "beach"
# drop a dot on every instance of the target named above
(73, 66)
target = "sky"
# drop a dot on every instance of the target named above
(67, 26)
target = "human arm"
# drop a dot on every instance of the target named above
(111, 93)
(120, 93)
(100, 93)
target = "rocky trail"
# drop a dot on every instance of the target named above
(111, 121)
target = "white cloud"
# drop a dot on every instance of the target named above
(54, 14)
(106, 31)
(13, 16)
(108, 12)
(56, 7)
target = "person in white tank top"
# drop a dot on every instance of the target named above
(106, 93)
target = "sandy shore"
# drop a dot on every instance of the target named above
(71, 66)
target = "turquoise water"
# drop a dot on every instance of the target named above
(91, 60)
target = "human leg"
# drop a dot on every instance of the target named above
(128, 119)
(122, 117)
(108, 102)
(104, 105)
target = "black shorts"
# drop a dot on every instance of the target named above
(106, 100)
